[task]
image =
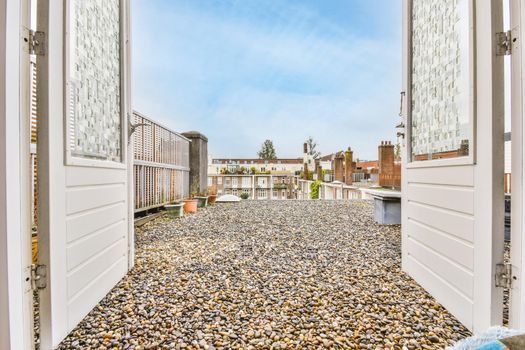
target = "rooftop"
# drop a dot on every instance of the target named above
(271, 274)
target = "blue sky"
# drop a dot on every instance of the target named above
(242, 71)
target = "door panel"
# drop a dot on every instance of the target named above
(460, 199)
(453, 300)
(444, 220)
(517, 297)
(452, 205)
(463, 176)
(85, 208)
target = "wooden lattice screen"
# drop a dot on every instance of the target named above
(161, 164)
(33, 102)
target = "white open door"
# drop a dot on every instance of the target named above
(452, 206)
(84, 179)
(517, 297)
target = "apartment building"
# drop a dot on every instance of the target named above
(260, 186)
(285, 166)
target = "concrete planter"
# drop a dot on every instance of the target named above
(387, 206)
(175, 210)
(203, 201)
(387, 210)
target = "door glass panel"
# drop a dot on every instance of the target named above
(94, 119)
(441, 110)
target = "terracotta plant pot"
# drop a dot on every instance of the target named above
(203, 201)
(212, 198)
(190, 205)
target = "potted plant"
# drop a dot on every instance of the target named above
(202, 199)
(190, 204)
(245, 195)
(212, 195)
(175, 210)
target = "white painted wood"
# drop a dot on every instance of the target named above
(26, 175)
(86, 211)
(15, 296)
(442, 219)
(449, 247)
(489, 193)
(452, 210)
(460, 199)
(463, 176)
(517, 297)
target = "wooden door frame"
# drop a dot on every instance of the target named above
(16, 317)
(489, 167)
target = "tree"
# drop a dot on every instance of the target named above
(267, 150)
(312, 148)
(397, 151)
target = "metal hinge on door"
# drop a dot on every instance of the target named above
(34, 41)
(38, 276)
(504, 275)
(504, 43)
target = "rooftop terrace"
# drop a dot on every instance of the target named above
(269, 274)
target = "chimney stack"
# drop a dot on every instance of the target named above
(306, 172)
(349, 155)
(339, 167)
(386, 163)
(319, 170)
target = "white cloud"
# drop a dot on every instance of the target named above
(241, 82)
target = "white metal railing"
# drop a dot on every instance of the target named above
(328, 191)
(261, 186)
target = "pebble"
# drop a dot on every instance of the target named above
(268, 274)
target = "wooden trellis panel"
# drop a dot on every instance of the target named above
(161, 164)
(34, 184)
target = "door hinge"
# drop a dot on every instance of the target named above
(504, 43)
(504, 275)
(38, 276)
(34, 41)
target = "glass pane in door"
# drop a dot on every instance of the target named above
(94, 79)
(441, 110)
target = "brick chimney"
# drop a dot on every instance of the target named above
(386, 163)
(306, 171)
(349, 155)
(319, 170)
(339, 167)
